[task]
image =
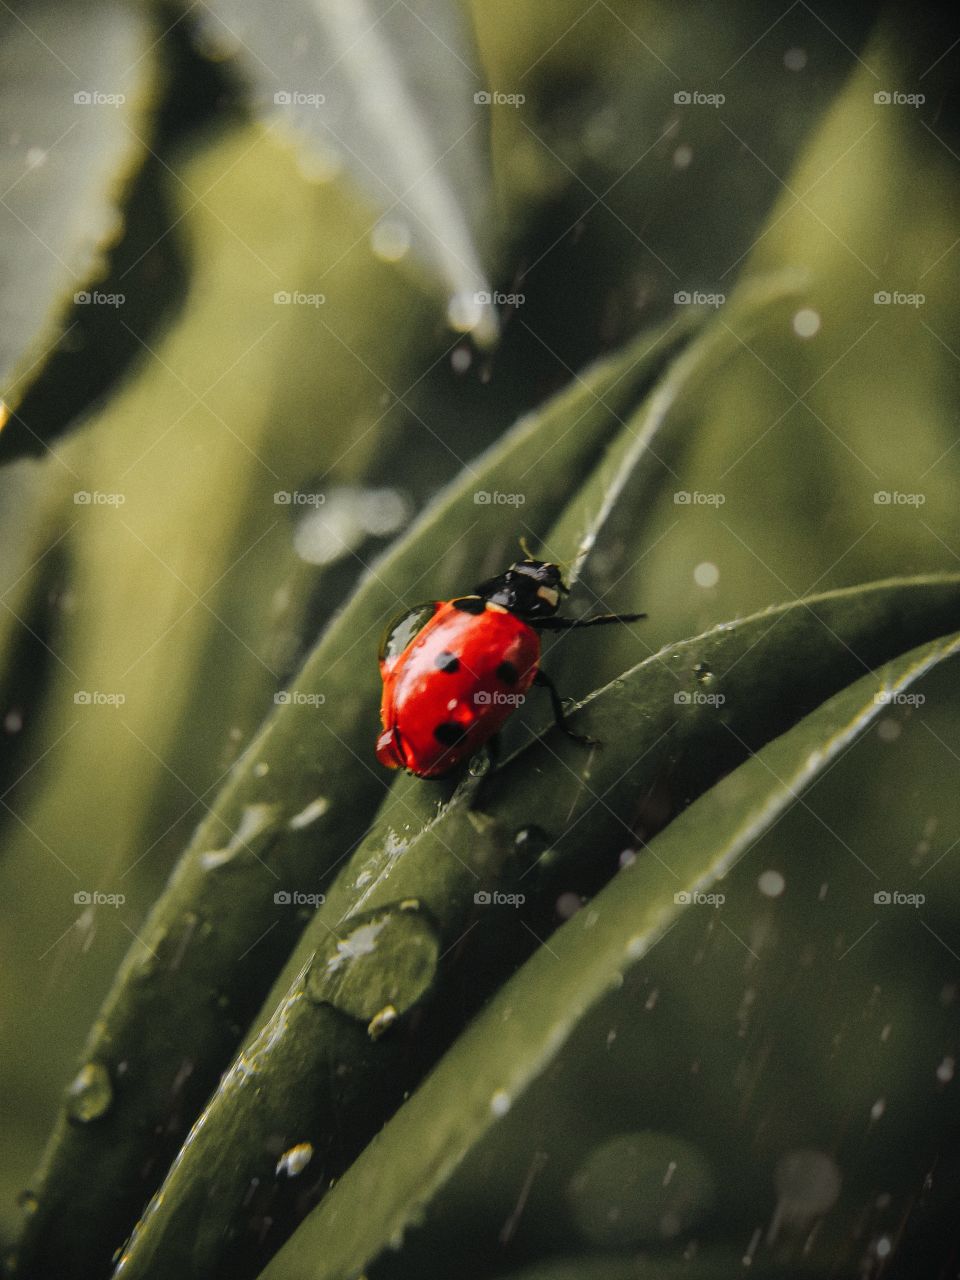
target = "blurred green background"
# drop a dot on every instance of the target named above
(806, 1020)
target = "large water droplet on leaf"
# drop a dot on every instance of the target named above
(384, 959)
(90, 1093)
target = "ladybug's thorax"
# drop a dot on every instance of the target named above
(530, 589)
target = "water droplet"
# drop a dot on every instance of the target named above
(806, 322)
(295, 1160)
(461, 359)
(261, 769)
(386, 957)
(808, 1184)
(347, 516)
(888, 729)
(90, 1093)
(627, 858)
(682, 156)
(530, 842)
(253, 834)
(381, 1022)
(390, 239)
(878, 1108)
(639, 1187)
(706, 574)
(568, 904)
(771, 884)
(795, 59)
(703, 674)
(464, 312)
(500, 1102)
(945, 1070)
(883, 1246)
(13, 720)
(314, 810)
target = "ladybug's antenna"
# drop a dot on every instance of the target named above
(525, 547)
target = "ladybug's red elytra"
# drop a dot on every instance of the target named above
(454, 670)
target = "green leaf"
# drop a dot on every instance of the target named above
(296, 802)
(386, 91)
(75, 82)
(671, 727)
(516, 1037)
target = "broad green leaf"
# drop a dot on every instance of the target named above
(517, 1036)
(293, 805)
(75, 83)
(671, 727)
(385, 91)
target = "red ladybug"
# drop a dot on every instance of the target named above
(454, 670)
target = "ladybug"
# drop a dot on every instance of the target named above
(454, 670)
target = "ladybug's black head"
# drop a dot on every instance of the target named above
(530, 588)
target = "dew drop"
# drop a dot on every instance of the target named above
(13, 720)
(464, 312)
(386, 959)
(771, 884)
(706, 574)
(461, 358)
(945, 1070)
(90, 1094)
(253, 833)
(567, 905)
(795, 59)
(295, 1160)
(500, 1102)
(381, 1022)
(390, 239)
(808, 1184)
(806, 322)
(531, 841)
(314, 810)
(682, 156)
(639, 1187)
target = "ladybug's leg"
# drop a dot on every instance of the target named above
(569, 624)
(544, 682)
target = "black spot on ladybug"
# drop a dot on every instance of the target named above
(508, 673)
(447, 661)
(470, 604)
(449, 734)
